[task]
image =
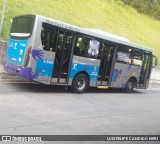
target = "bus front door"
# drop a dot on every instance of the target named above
(62, 58)
(145, 70)
(107, 63)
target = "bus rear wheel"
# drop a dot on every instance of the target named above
(80, 83)
(129, 86)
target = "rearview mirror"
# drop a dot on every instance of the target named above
(154, 61)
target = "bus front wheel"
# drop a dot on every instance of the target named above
(129, 86)
(80, 83)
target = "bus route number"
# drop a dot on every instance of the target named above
(48, 61)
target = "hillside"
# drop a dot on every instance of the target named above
(109, 15)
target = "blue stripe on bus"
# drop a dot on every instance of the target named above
(91, 70)
(44, 67)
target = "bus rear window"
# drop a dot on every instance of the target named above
(22, 27)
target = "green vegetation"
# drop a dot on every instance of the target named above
(149, 7)
(108, 15)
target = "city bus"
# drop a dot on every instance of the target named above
(56, 53)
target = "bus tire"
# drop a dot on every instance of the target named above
(80, 83)
(129, 86)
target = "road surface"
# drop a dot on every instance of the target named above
(47, 110)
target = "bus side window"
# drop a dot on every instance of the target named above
(48, 37)
(88, 47)
(79, 48)
(123, 55)
(52, 42)
(136, 58)
(44, 39)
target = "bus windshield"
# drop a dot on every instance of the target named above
(22, 27)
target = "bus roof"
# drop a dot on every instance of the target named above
(93, 32)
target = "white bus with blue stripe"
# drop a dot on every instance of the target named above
(55, 53)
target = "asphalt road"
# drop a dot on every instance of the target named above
(47, 110)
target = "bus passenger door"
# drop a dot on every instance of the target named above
(62, 57)
(145, 70)
(106, 66)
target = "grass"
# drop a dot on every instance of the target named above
(108, 15)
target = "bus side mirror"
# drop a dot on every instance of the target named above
(154, 61)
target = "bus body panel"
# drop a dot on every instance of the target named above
(44, 66)
(88, 65)
(122, 73)
(16, 51)
(39, 68)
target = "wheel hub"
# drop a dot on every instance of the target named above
(80, 83)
